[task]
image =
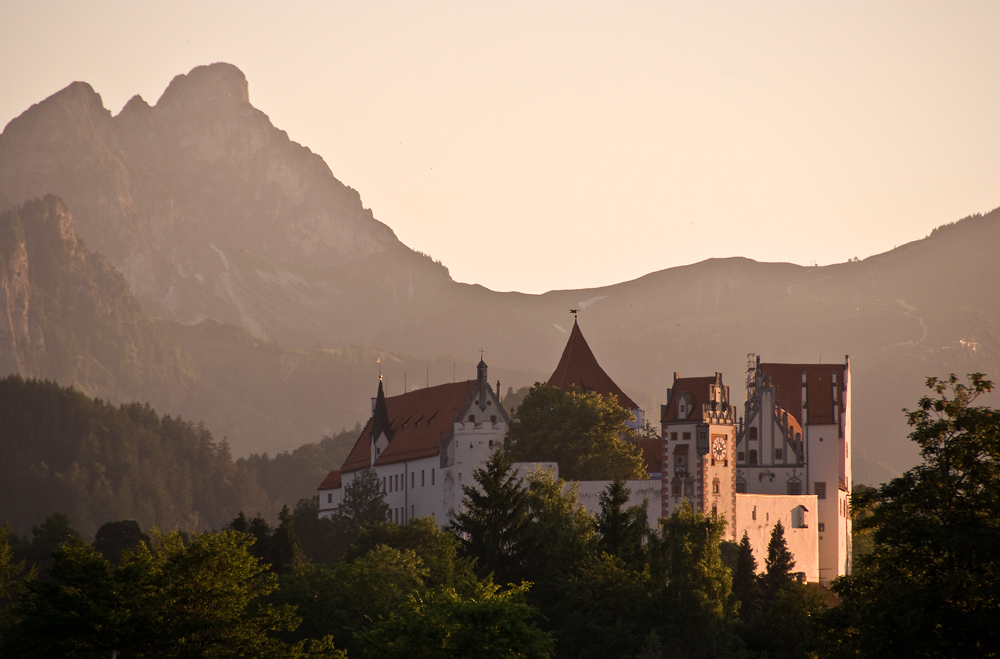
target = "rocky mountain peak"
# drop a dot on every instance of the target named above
(215, 84)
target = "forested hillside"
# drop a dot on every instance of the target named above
(62, 451)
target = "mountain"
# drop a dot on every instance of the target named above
(218, 220)
(69, 315)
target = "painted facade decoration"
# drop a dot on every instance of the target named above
(795, 439)
(698, 444)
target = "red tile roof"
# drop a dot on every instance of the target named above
(419, 421)
(652, 454)
(331, 482)
(697, 388)
(787, 382)
(579, 367)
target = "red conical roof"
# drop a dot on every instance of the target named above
(579, 367)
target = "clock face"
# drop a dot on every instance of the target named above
(719, 448)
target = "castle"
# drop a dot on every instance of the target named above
(786, 458)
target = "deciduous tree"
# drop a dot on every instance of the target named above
(930, 586)
(584, 432)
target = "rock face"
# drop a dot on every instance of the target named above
(66, 314)
(208, 209)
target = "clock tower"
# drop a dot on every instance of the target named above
(699, 444)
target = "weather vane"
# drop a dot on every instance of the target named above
(379, 362)
(574, 312)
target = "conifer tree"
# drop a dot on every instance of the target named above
(779, 562)
(493, 527)
(622, 531)
(746, 583)
(285, 552)
(364, 502)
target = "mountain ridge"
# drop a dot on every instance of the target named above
(211, 212)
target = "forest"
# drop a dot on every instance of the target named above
(524, 571)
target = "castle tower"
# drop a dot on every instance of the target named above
(699, 445)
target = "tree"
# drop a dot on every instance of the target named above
(493, 523)
(13, 576)
(436, 548)
(584, 432)
(779, 562)
(696, 598)
(929, 586)
(115, 537)
(484, 621)
(284, 551)
(48, 537)
(746, 583)
(623, 532)
(364, 502)
(168, 600)
(319, 536)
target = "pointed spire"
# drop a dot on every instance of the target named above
(380, 416)
(579, 367)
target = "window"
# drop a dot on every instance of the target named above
(679, 459)
(715, 510)
(421, 478)
(753, 434)
(777, 454)
(677, 488)
(689, 488)
(741, 456)
(741, 487)
(493, 418)
(754, 513)
(794, 487)
(384, 491)
(329, 498)
(715, 486)
(413, 476)
(713, 462)
(472, 417)
(432, 476)
(753, 456)
(491, 443)
(819, 489)
(673, 437)
(822, 527)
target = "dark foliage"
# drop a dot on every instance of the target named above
(929, 586)
(60, 450)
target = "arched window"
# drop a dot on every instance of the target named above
(794, 486)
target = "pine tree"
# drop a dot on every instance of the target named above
(779, 562)
(364, 502)
(623, 531)
(285, 552)
(493, 526)
(746, 583)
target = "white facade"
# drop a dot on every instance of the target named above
(421, 472)
(756, 515)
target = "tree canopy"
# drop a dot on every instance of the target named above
(929, 586)
(584, 432)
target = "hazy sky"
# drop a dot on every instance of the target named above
(541, 145)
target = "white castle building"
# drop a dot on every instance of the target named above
(424, 445)
(787, 458)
